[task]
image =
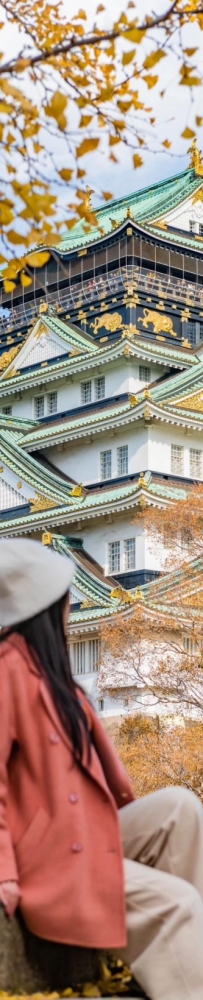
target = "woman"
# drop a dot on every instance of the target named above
(67, 810)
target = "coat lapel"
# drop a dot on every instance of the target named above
(94, 766)
(52, 712)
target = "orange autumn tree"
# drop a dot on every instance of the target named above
(71, 85)
(156, 754)
(152, 651)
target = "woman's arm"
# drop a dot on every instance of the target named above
(8, 867)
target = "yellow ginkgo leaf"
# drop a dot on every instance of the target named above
(38, 258)
(190, 52)
(25, 280)
(154, 58)
(80, 172)
(190, 81)
(127, 57)
(166, 143)
(100, 8)
(85, 120)
(81, 15)
(9, 285)
(199, 120)
(151, 80)
(134, 34)
(188, 133)
(87, 146)
(137, 160)
(107, 195)
(15, 237)
(113, 139)
(66, 174)
(57, 106)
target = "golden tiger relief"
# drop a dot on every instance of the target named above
(161, 323)
(110, 321)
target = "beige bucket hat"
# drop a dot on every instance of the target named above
(31, 578)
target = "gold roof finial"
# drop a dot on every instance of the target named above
(196, 158)
(88, 200)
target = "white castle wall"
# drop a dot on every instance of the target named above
(121, 379)
(180, 217)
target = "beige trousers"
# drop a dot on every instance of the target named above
(163, 860)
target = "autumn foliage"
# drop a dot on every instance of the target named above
(156, 754)
(71, 87)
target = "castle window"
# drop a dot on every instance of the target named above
(101, 704)
(144, 373)
(93, 657)
(39, 407)
(177, 459)
(78, 657)
(200, 229)
(195, 463)
(100, 387)
(7, 410)
(122, 460)
(86, 392)
(52, 402)
(105, 464)
(114, 557)
(192, 225)
(129, 553)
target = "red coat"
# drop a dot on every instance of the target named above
(59, 828)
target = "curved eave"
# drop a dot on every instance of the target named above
(144, 411)
(104, 357)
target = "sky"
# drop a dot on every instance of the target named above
(175, 111)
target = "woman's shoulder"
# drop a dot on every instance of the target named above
(12, 649)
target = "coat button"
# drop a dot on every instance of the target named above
(76, 848)
(54, 738)
(73, 798)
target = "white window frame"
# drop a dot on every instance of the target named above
(114, 564)
(99, 384)
(36, 399)
(122, 460)
(192, 225)
(177, 452)
(84, 392)
(126, 553)
(93, 655)
(144, 373)
(103, 476)
(50, 396)
(196, 455)
(7, 410)
(78, 657)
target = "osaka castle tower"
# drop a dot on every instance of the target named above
(101, 398)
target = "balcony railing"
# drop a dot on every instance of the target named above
(130, 279)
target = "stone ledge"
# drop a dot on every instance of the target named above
(29, 965)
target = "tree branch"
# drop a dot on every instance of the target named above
(89, 40)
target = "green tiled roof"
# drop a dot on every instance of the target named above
(98, 353)
(146, 205)
(180, 239)
(70, 333)
(36, 475)
(116, 498)
(179, 385)
(86, 579)
(72, 427)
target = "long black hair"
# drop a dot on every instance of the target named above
(45, 638)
